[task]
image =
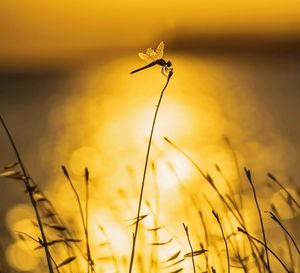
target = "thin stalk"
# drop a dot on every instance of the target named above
(205, 176)
(238, 217)
(223, 235)
(206, 238)
(187, 156)
(162, 226)
(90, 263)
(67, 232)
(290, 252)
(248, 174)
(56, 266)
(135, 234)
(284, 189)
(213, 242)
(86, 172)
(191, 247)
(155, 236)
(273, 216)
(275, 212)
(232, 200)
(39, 241)
(263, 244)
(33, 202)
(235, 245)
(154, 251)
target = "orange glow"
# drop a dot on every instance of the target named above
(35, 33)
(115, 131)
(20, 258)
(104, 122)
(85, 156)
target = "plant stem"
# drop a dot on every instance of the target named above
(206, 239)
(262, 243)
(191, 247)
(90, 263)
(238, 215)
(223, 235)
(33, 202)
(273, 216)
(284, 189)
(145, 172)
(248, 174)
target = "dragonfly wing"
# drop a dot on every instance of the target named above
(145, 57)
(160, 50)
(149, 51)
(152, 54)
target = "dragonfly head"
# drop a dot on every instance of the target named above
(169, 64)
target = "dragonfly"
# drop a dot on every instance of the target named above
(155, 57)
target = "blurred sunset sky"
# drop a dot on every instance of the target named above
(68, 99)
(47, 34)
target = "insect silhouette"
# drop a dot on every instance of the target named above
(155, 57)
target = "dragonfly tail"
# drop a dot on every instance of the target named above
(142, 68)
(134, 71)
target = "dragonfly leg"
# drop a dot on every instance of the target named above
(164, 71)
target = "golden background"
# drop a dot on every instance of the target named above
(66, 93)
